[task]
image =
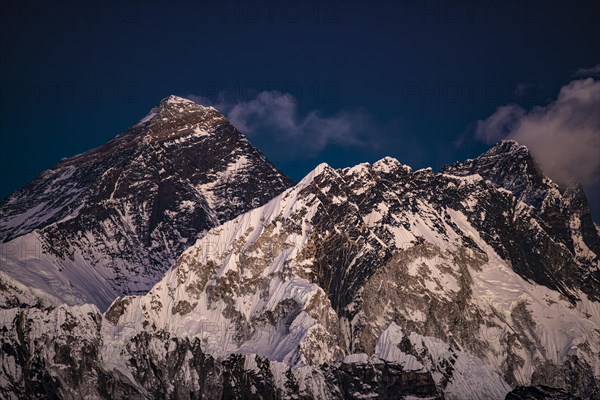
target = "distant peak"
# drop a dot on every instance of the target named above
(504, 155)
(387, 160)
(176, 100)
(318, 170)
(508, 142)
(174, 105)
(505, 146)
(386, 164)
(389, 164)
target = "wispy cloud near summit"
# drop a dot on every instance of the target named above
(275, 115)
(563, 136)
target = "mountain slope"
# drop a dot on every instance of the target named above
(564, 214)
(110, 221)
(325, 268)
(366, 282)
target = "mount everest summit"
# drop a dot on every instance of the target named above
(111, 221)
(177, 262)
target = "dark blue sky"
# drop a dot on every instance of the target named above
(417, 75)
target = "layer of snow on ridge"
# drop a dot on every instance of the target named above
(471, 378)
(389, 164)
(469, 179)
(207, 190)
(560, 327)
(44, 210)
(19, 219)
(209, 318)
(318, 170)
(387, 349)
(24, 294)
(356, 358)
(581, 248)
(376, 215)
(196, 132)
(147, 118)
(172, 99)
(66, 281)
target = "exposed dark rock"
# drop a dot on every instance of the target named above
(129, 208)
(539, 393)
(384, 381)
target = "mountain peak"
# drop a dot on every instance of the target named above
(318, 170)
(505, 147)
(177, 173)
(177, 102)
(338, 278)
(388, 164)
(511, 166)
(172, 99)
(503, 156)
(177, 114)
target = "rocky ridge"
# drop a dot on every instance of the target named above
(111, 221)
(374, 281)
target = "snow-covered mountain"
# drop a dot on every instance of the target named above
(565, 217)
(112, 220)
(374, 281)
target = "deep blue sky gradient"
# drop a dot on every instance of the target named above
(75, 74)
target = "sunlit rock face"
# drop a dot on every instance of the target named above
(374, 281)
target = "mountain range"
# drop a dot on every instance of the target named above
(177, 262)
(111, 221)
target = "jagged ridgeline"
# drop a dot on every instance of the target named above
(376, 281)
(111, 221)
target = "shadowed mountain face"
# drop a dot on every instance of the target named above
(562, 213)
(110, 221)
(374, 281)
(539, 393)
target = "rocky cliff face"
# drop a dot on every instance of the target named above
(564, 214)
(368, 282)
(73, 352)
(111, 221)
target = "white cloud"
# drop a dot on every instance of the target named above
(502, 122)
(275, 114)
(564, 136)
